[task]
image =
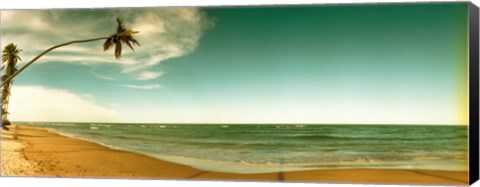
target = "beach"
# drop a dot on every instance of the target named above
(28, 151)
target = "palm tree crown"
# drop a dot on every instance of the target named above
(123, 35)
(10, 58)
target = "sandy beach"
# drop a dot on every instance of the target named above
(28, 151)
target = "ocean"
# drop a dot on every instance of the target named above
(272, 148)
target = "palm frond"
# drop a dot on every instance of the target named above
(4, 58)
(129, 45)
(120, 27)
(130, 32)
(108, 43)
(135, 42)
(118, 49)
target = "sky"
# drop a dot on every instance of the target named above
(330, 64)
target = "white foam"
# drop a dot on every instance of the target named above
(242, 167)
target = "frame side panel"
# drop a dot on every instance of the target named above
(474, 94)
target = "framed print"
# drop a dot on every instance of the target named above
(380, 93)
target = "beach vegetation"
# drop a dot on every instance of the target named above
(10, 57)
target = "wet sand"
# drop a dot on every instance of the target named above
(29, 151)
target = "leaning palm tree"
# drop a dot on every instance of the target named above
(9, 61)
(122, 35)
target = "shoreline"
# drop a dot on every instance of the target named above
(46, 154)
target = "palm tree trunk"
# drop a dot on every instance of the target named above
(5, 98)
(45, 52)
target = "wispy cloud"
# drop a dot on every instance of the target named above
(104, 77)
(165, 33)
(148, 75)
(145, 87)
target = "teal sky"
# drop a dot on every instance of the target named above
(380, 64)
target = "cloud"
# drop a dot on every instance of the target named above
(38, 103)
(148, 75)
(145, 87)
(104, 77)
(165, 33)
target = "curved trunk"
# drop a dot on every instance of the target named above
(45, 52)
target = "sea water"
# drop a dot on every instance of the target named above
(272, 148)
